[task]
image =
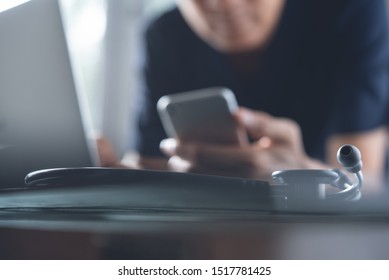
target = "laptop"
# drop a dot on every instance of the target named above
(41, 122)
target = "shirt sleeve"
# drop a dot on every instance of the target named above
(362, 70)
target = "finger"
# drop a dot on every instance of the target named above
(108, 157)
(253, 121)
(178, 164)
(209, 159)
(168, 146)
(218, 157)
(202, 153)
(259, 124)
(214, 156)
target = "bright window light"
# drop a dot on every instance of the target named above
(9, 4)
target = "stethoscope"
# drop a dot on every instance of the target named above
(289, 190)
(305, 183)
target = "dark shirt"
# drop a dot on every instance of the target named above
(326, 67)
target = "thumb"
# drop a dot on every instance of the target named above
(259, 124)
(255, 122)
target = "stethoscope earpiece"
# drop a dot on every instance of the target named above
(350, 158)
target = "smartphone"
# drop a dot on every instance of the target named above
(204, 115)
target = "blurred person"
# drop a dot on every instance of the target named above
(314, 75)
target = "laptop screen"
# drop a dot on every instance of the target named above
(41, 124)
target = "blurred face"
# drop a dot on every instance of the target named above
(233, 26)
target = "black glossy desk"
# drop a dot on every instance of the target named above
(185, 217)
(169, 235)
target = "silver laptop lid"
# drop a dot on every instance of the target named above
(40, 118)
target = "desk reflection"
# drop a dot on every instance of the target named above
(156, 237)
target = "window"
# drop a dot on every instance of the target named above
(103, 37)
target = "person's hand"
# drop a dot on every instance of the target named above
(130, 160)
(106, 153)
(277, 145)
